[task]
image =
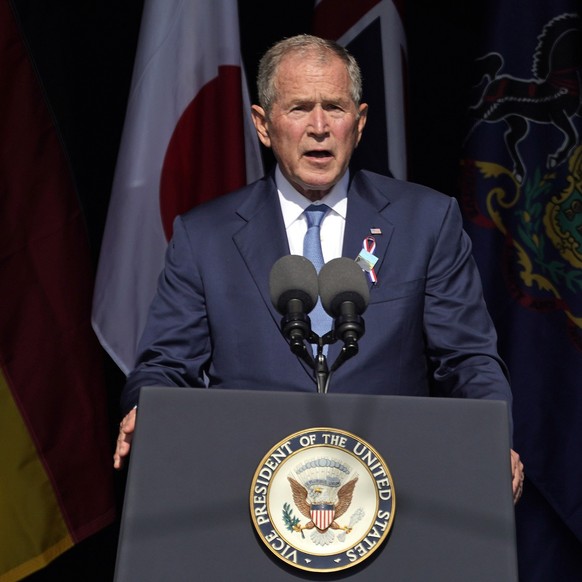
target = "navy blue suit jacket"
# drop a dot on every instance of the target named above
(427, 328)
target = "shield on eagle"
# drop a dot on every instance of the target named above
(322, 515)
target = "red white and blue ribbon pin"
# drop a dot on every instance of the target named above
(366, 259)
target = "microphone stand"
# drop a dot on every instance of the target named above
(347, 326)
(319, 365)
(300, 347)
(295, 326)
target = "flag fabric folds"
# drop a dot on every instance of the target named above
(521, 193)
(187, 138)
(373, 31)
(55, 471)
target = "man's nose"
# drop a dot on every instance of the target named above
(318, 122)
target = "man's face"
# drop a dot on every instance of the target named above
(314, 126)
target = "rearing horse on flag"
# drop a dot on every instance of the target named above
(552, 96)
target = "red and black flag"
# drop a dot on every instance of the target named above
(56, 482)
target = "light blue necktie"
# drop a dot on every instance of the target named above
(320, 320)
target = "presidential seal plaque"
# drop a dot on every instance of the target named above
(322, 500)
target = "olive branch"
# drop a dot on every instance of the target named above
(290, 520)
(530, 229)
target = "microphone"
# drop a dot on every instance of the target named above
(294, 292)
(344, 293)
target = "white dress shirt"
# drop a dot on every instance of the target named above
(332, 228)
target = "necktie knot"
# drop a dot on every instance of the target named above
(315, 214)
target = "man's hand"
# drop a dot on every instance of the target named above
(517, 476)
(126, 428)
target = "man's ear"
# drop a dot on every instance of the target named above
(261, 125)
(362, 118)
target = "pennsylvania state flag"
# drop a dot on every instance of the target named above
(521, 193)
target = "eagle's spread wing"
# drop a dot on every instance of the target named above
(344, 496)
(300, 497)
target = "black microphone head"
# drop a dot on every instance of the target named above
(343, 280)
(293, 277)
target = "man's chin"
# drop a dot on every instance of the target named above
(314, 191)
(315, 185)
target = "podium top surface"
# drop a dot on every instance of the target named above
(186, 512)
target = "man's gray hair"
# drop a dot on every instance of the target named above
(303, 44)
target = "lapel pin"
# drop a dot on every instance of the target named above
(367, 260)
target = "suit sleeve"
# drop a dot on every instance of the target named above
(461, 338)
(175, 346)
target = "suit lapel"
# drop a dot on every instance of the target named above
(366, 211)
(262, 240)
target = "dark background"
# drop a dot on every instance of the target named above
(84, 54)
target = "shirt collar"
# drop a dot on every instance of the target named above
(293, 203)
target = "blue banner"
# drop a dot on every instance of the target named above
(521, 193)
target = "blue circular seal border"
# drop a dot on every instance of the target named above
(319, 440)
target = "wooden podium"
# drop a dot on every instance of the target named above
(186, 512)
